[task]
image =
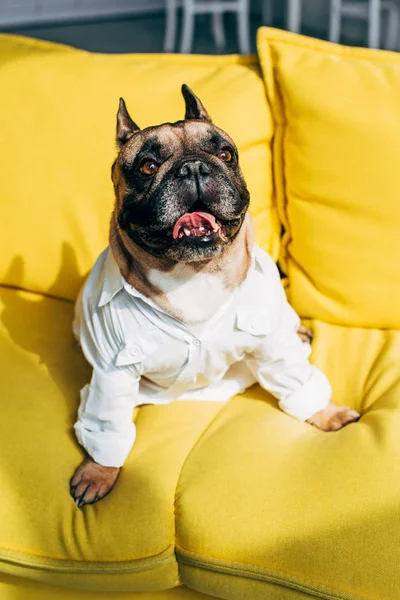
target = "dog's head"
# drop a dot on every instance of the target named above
(180, 193)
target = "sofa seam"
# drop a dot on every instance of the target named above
(86, 567)
(276, 225)
(277, 105)
(262, 575)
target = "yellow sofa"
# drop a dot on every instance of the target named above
(236, 500)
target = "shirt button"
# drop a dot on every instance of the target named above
(196, 343)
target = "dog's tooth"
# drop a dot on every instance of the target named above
(186, 230)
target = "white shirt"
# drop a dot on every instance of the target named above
(142, 355)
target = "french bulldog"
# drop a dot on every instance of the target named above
(181, 236)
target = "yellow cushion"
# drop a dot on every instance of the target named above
(336, 152)
(272, 508)
(15, 588)
(57, 120)
(126, 542)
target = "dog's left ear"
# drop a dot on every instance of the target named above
(125, 126)
(194, 108)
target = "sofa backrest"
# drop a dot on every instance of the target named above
(57, 132)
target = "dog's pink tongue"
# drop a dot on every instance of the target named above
(193, 221)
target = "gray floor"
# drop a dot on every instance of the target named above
(137, 34)
(145, 33)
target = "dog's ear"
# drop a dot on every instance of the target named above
(194, 108)
(125, 126)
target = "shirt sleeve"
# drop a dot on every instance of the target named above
(105, 425)
(280, 362)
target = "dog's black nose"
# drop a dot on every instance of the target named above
(192, 169)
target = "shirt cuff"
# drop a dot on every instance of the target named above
(106, 448)
(312, 397)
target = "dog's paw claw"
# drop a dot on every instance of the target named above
(91, 482)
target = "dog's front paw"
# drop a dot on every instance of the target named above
(334, 417)
(91, 482)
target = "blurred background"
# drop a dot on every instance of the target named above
(200, 26)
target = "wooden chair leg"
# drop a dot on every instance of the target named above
(218, 29)
(170, 30)
(187, 27)
(244, 27)
(294, 15)
(335, 21)
(374, 23)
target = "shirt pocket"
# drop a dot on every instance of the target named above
(133, 353)
(253, 320)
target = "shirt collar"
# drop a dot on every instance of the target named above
(111, 281)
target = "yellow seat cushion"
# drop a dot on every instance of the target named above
(272, 508)
(126, 542)
(57, 120)
(15, 588)
(336, 157)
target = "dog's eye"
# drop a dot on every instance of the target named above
(149, 167)
(225, 155)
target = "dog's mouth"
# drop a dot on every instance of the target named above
(197, 225)
(192, 228)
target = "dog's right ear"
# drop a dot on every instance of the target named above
(125, 126)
